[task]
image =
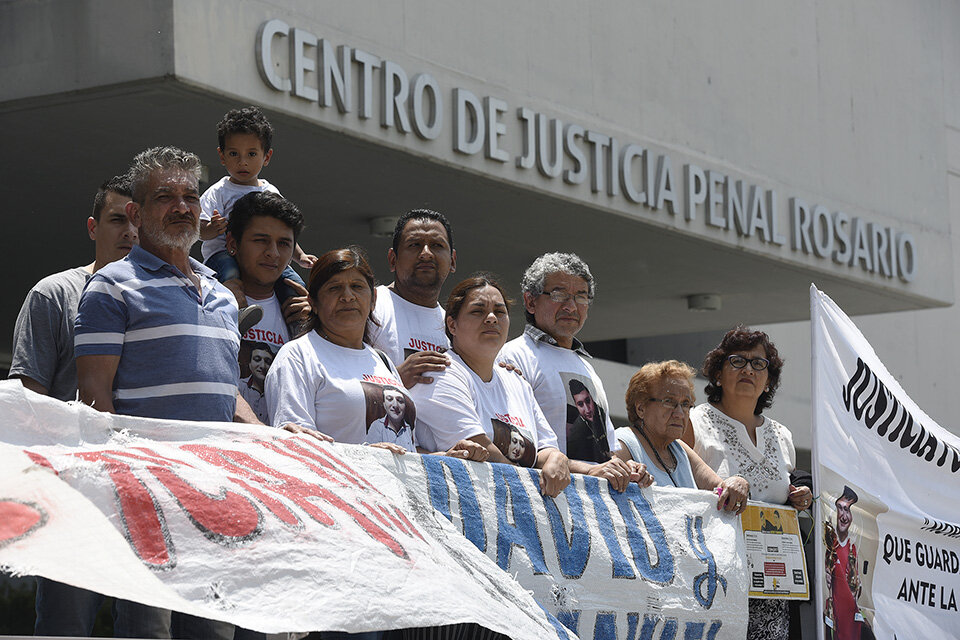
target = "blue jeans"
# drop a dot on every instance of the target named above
(227, 269)
(63, 610)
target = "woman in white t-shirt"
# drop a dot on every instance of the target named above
(476, 400)
(329, 379)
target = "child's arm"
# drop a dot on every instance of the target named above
(210, 229)
(305, 260)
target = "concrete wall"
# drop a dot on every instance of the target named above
(55, 47)
(854, 105)
(920, 348)
(837, 103)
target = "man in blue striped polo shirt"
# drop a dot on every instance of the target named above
(157, 336)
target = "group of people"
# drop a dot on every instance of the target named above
(146, 330)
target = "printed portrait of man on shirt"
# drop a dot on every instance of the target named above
(586, 420)
(390, 414)
(255, 361)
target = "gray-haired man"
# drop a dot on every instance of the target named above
(183, 363)
(557, 291)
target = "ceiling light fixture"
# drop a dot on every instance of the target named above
(704, 302)
(383, 227)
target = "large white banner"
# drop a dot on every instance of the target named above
(282, 533)
(888, 476)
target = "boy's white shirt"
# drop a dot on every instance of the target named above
(220, 197)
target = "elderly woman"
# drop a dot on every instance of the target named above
(659, 398)
(329, 379)
(732, 435)
(477, 400)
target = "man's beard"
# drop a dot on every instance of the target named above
(156, 234)
(429, 281)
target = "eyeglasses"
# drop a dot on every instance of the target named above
(739, 362)
(562, 296)
(671, 404)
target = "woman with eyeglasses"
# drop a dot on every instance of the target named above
(659, 398)
(733, 436)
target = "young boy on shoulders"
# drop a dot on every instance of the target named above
(244, 137)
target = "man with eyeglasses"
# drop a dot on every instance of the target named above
(557, 291)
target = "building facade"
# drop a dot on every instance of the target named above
(709, 161)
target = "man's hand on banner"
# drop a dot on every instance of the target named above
(468, 450)
(389, 446)
(800, 498)
(296, 428)
(554, 472)
(734, 492)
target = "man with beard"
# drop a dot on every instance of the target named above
(157, 336)
(409, 319)
(557, 291)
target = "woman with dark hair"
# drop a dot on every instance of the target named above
(477, 400)
(733, 436)
(315, 380)
(330, 379)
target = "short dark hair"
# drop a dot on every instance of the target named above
(577, 387)
(420, 214)
(741, 338)
(259, 346)
(117, 184)
(848, 494)
(460, 292)
(246, 120)
(267, 204)
(330, 264)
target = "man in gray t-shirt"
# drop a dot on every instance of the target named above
(43, 361)
(43, 336)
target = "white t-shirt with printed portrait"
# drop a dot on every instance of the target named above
(336, 390)
(460, 405)
(271, 331)
(549, 368)
(405, 327)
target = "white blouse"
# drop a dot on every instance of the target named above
(725, 446)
